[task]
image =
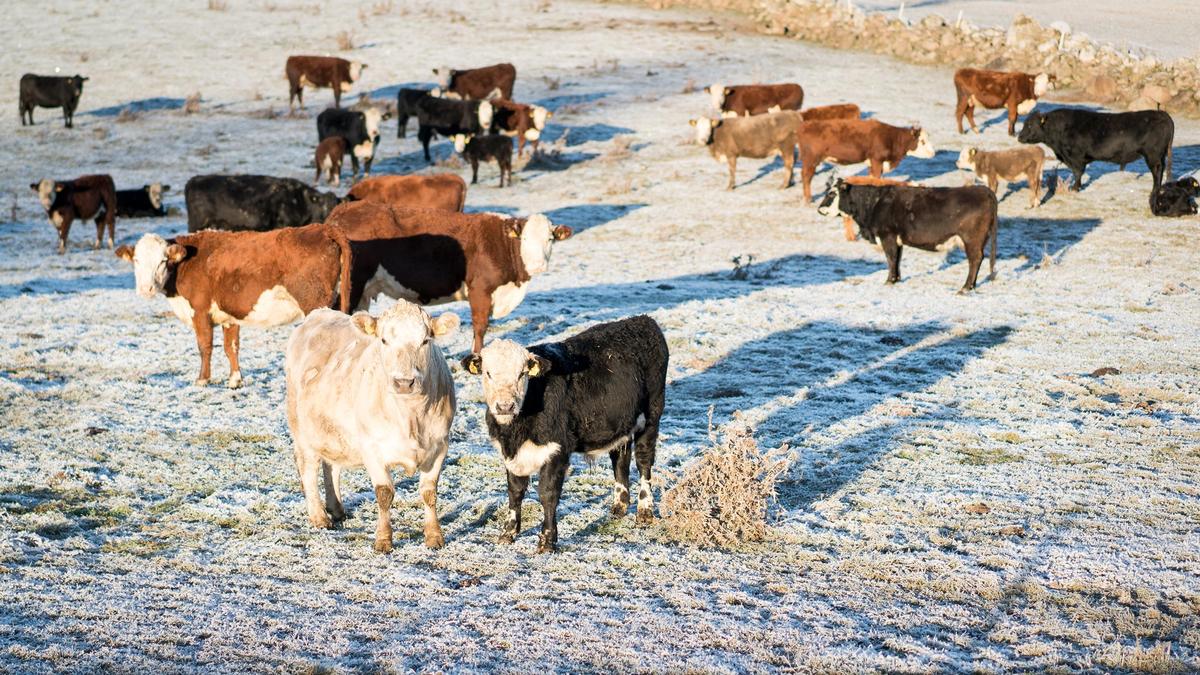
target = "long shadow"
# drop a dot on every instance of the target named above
(553, 103)
(1031, 240)
(578, 135)
(143, 105)
(390, 91)
(66, 285)
(917, 170)
(584, 217)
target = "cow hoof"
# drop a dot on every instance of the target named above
(618, 511)
(383, 545)
(201, 382)
(506, 539)
(435, 540)
(96, 244)
(645, 516)
(321, 521)
(338, 514)
(547, 548)
(235, 381)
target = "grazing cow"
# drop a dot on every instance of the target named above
(370, 392)
(82, 198)
(1009, 165)
(848, 227)
(50, 91)
(407, 101)
(236, 279)
(755, 99)
(838, 111)
(525, 122)
(1176, 199)
(854, 141)
(598, 393)
(478, 149)
(442, 191)
(247, 202)
(1019, 92)
(328, 160)
(449, 118)
(923, 217)
(359, 128)
(757, 137)
(433, 257)
(1079, 137)
(317, 72)
(477, 83)
(145, 202)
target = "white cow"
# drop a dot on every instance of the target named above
(370, 392)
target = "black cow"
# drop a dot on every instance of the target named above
(897, 215)
(260, 203)
(144, 202)
(1079, 137)
(360, 129)
(1176, 199)
(50, 91)
(599, 392)
(407, 101)
(449, 118)
(476, 149)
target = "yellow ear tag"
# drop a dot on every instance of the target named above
(534, 369)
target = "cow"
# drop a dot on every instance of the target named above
(317, 72)
(450, 118)
(328, 160)
(922, 217)
(848, 227)
(359, 128)
(85, 197)
(477, 83)
(373, 392)
(1176, 199)
(407, 101)
(1079, 137)
(236, 279)
(249, 202)
(838, 111)
(598, 393)
(145, 202)
(50, 91)
(525, 122)
(433, 257)
(854, 141)
(442, 191)
(755, 99)
(1019, 92)
(478, 149)
(1009, 165)
(757, 137)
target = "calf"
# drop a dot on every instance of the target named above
(145, 202)
(370, 392)
(407, 101)
(85, 197)
(478, 149)
(318, 72)
(1011, 164)
(236, 279)
(442, 191)
(1079, 137)
(449, 118)
(849, 229)
(992, 89)
(755, 99)
(598, 393)
(328, 159)
(360, 130)
(854, 141)
(895, 216)
(477, 83)
(1176, 199)
(433, 257)
(50, 91)
(525, 122)
(838, 111)
(756, 137)
(248, 202)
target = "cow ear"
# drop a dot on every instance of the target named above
(537, 366)
(164, 188)
(691, 122)
(124, 252)
(728, 91)
(513, 229)
(708, 89)
(58, 187)
(364, 322)
(445, 324)
(33, 186)
(562, 232)
(176, 254)
(472, 363)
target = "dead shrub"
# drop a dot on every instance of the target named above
(381, 8)
(83, 57)
(191, 105)
(217, 5)
(100, 133)
(552, 83)
(1139, 659)
(345, 41)
(620, 149)
(689, 87)
(127, 115)
(619, 186)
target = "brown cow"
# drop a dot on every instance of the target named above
(848, 226)
(82, 198)
(526, 122)
(993, 89)
(755, 99)
(242, 278)
(329, 159)
(477, 83)
(756, 137)
(854, 141)
(994, 165)
(432, 257)
(441, 191)
(318, 72)
(838, 111)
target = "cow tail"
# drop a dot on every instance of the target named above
(339, 237)
(995, 227)
(1170, 151)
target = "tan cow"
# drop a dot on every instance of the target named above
(442, 191)
(993, 165)
(757, 137)
(370, 392)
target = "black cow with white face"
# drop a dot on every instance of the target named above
(449, 118)
(145, 202)
(895, 216)
(50, 91)
(600, 392)
(1079, 137)
(360, 129)
(258, 203)
(1176, 199)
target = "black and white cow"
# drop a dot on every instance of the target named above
(247, 202)
(449, 118)
(1176, 199)
(360, 129)
(599, 392)
(407, 101)
(145, 202)
(1079, 137)
(50, 91)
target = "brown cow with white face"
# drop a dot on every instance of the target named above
(442, 191)
(755, 99)
(82, 198)
(523, 121)
(477, 83)
(837, 111)
(854, 141)
(319, 72)
(1019, 92)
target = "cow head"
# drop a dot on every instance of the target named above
(154, 192)
(404, 336)
(704, 129)
(537, 235)
(831, 203)
(319, 205)
(540, 115)
(485, 115)
(45, 189)
(460, 142)
(1190, 185)
(356, 69)
(1033, 131)
(966, 159)
(923, 149)
(717, 92)
(444, 76)
(506, 368)
(152, 260)
(372, 117)
(77, 84)
(1041, 84)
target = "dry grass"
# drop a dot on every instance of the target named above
(217, 5)
(381, 8)
(1139, 659)
(552, 83)
(619, 149)
(127, 115)
(345, 41)
(191, 105)
(689, 87)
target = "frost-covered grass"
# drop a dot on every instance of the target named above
(966, 494)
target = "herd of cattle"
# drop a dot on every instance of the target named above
(375, 391)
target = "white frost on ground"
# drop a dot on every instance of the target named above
(146, 524)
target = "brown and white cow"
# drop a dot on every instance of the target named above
(85, 197)
(236, 279)
(525, 122)
(755, 99)
(328, 159)
(477, 83)
(992, 166)
(442, 191)
(433, 257)
(854, 141)
(993, 89)
(837, 111)
(757, 137)
(319, 72)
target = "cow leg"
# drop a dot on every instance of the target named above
(848, 228)
(99, 220)
(644, 448)
(1012, 119)
(974, 249)
(732, 171)
(353, 167)
(424, 135)
(385, 493)
(1156, 171)
(993, 183)
(891, 248)
(620, 465)
(333, 491)
(308, 465)
(474, 170)
(789, 164)
(971, 117)
(1078, 184)
(481, 311)
(428, 490)
(876, 168)
(517, 485)
(1035, 188)
(550, 482)
(232, 337)
(960, 109)
(337, 95)
(402, 129)
(202, 324)
(808, 169)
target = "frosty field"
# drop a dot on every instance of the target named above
(966, 494)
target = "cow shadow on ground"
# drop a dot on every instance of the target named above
(139, 106)
(66, 285)
(1032, 240)
(554, 103)
(583, 217)
(918, 170)
(392, 90)
(584, 133)
(1185, 159)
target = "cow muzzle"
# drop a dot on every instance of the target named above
(408, 385)
(505, 409)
